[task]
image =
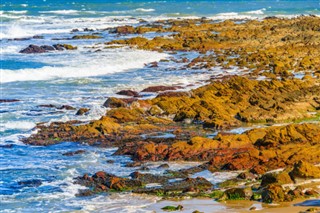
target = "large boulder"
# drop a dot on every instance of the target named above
(113, 102)
(275, 178)
(237, 194)
(273, 193)
(304, 170)
(33, 49)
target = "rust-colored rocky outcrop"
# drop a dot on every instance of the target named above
(274, 46)
(273, 49)
(290, 144)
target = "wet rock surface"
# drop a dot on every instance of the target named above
(159, 88)
(82, 111)
(78, 152)
(128, 93)
(32, 49)
(102, 181)
(30, 183)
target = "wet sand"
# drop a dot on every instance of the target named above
(241, 206)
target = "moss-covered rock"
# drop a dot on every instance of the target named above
(273, 193)
(172, 208)
(275, 178)
(237, 194)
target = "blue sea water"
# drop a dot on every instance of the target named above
(85, 78)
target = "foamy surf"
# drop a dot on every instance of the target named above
(17, 11)
(96, 65)
(61, 12)
(145, 10)
(22, 31)
(22, 125)
(257, 12)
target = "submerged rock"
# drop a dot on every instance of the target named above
(66, 107)
(8, 100)
(172, 208)
(30, 183)
(7, 146)
(78, 152)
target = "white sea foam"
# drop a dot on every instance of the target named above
(27, 26)
(14, 31)
(11, 16)
(23, 125)
(61, 12)
(97, 64)
(144, 10)
(24, 5)
(231, 15)
(9, 49)
(18, 12)
(216, 177)
(124, 203)
(257, 12)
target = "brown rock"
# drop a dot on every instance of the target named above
(82, 111)
(114, 103)
(124, 30)
(128, 93)
(174, 94)
(31, 49)
(159, 88)
(275, 178)
(273, 193)
(237, 194)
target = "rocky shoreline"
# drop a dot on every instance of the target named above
(281, 111)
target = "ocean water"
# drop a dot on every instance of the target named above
(85, 78)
